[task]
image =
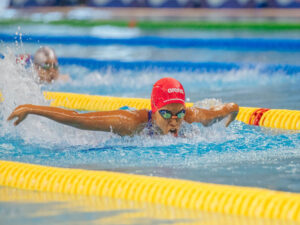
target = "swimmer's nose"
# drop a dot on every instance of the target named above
(53, 70)
(173, 121)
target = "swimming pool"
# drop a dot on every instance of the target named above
(239, 155)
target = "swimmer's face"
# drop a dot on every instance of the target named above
(170, 125)
(48, 71)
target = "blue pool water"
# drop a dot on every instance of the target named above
(239, 155)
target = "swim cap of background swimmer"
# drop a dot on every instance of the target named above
(166, 91)
(43, 54)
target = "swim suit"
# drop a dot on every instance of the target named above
(149, 123)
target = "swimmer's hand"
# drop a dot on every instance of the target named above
(20, 112)
(64, 78)
(231, 117)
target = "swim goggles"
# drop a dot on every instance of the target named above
(47, 66)
(166, 114)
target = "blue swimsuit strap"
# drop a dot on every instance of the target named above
(149, 124)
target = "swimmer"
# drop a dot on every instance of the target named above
(45, 63)
(167, 113)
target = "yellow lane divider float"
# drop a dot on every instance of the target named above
(129, 212)
(225, 199)
(1, 97)
(273, 118)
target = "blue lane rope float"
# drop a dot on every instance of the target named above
(177, 66)
(254, 44)
(172, 66)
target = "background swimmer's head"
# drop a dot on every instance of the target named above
(168, 100)
(46, 64)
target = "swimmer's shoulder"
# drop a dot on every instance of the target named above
(142, 115)
(142, 119)
(137, 116)
(134, 118)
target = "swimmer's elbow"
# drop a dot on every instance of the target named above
(206, 124)
(124, 133)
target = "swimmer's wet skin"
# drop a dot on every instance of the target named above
(166, 116)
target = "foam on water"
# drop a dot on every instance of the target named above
(19, 86)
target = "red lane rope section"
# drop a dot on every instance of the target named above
(256, 116)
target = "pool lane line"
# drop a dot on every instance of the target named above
(156, 25)
(178, 66)
(273, 118)
(243, 44)
(129, 211)
(224, 199)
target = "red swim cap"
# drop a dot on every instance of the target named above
(166, 91)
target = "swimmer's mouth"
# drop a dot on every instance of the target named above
(174, 132)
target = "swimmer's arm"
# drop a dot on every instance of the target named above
(122, 122)
(209, 116)
(64, 77)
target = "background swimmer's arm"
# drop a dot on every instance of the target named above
(122, 122)
(209, 116)
(64, 77)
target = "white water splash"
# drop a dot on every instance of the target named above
(18, 86)
(207, 103)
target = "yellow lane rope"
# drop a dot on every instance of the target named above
(131, 211)
(1, 97)
(224, 199)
